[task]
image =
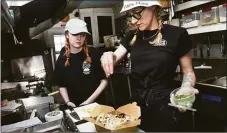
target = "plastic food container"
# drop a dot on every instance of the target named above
(222, 12)
(190, 20)
(209, 16)
(185, 101)
(175, 22)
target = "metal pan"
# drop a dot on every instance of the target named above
(220, 81)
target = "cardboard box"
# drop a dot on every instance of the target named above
(131, 110)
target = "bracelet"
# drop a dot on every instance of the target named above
(67, 102)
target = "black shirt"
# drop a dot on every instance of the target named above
(153, 67)
(80, 79)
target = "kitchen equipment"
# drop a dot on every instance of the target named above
(21, 126)
(209, 16)
(52, 126)
(12, 85)
(28, 66)
(43, 105)
(222, 12)
(73, 113)
(190, 20)
(54, 115)
(34, 88)
(203, 64)
(220, 81)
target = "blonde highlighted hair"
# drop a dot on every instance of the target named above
(157, 12)
(67, 52)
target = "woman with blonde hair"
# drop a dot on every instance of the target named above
(78, 69)
(156, 50)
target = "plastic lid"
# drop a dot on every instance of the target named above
(214, 7)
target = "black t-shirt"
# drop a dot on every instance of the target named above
(153, 67)
(80, 79)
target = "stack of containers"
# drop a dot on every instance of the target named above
(175, 22)
(206, 16)
(222, 12)
(209, 16)
(190, 20)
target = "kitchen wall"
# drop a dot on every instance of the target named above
(215, 56)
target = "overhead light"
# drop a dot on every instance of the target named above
(17, 2)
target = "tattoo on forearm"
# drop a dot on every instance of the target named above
(187, 80)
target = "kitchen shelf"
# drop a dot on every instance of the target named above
(207, 28)
(190, 4)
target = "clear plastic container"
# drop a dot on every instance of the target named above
(185, 100)
(209, 16)
(222, 12)
(190, 20)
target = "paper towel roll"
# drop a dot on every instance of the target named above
(54, 115)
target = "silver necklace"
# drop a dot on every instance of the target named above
(150, 36)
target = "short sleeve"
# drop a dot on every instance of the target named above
(127, 38)
(184, 44)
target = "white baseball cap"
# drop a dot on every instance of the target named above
(127, 5)
(75, 26)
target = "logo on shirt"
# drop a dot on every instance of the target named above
(86, 68)
(163, 42)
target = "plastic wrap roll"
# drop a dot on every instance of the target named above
(54, 115)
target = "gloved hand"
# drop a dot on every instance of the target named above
(187, 91)
(71, 104)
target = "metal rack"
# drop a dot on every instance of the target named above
(208, 28)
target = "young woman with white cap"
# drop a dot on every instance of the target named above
(78, 69)
(156, 50)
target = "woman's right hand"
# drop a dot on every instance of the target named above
(107, 61)
(71, 104)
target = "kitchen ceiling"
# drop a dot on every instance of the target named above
(84, 4)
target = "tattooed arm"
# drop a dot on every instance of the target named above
(189, 78)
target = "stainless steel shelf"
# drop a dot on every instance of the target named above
(190, 4)
(207, 28)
